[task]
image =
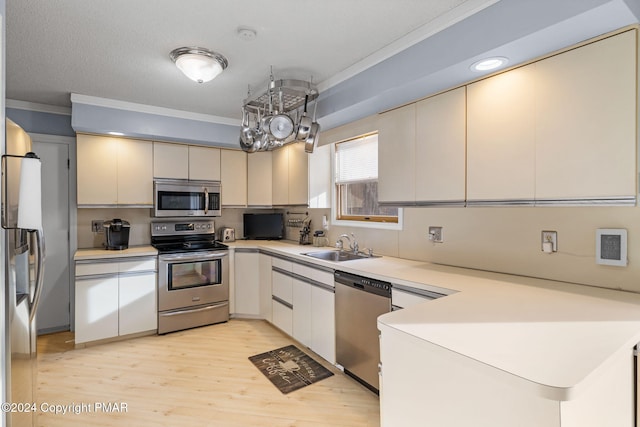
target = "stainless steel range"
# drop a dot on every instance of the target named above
(193, 275)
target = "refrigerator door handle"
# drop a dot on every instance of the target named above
(39, 272)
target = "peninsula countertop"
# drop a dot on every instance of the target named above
(550, 337)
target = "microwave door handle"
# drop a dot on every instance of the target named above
(39, 273)
(206, 200)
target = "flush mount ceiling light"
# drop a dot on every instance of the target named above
(198, 63)
(489, 63)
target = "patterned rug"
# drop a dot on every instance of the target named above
(289, 369)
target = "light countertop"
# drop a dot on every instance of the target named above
(100, 253)
(551, 337)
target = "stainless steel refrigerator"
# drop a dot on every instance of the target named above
(23, 267)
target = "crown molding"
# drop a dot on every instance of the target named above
(41, 108)
(150, 109)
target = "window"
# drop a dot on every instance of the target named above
(356, 181)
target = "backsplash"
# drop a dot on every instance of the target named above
(501, 239)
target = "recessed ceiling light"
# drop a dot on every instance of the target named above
(489, 63)
(116, 133)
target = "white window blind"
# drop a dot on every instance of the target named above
(357, 160)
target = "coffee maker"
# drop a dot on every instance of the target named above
(116, 233)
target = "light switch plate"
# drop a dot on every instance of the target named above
(611, 246)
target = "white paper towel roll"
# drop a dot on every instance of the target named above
(30, 195)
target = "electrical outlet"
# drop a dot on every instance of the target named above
(550, 238)
(435, 234)
(96, 226)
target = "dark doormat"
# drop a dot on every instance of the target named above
(289, 369)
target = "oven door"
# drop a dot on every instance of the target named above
(173, 198)
(192, 278)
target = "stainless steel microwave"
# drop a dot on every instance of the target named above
(184, 198)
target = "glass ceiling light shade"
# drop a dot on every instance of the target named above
(198, 63)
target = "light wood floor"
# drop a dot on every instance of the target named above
(199, 377)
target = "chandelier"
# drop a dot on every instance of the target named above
(274, 118)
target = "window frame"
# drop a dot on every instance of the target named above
(378, 222)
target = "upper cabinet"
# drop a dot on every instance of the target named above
(396, 155)
(233, 174)
(114, 171)
(260, 178)
(204, 163)
(181, 161)
(290, 176)
(500, 137)
(320, 177)
(421, 151)
(586, 120)
(440, 148)
(558, 131)
(170, 160)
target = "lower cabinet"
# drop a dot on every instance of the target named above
(296, 298)
(115, 297)
(303, 305)
(282, 295)
(246, 302)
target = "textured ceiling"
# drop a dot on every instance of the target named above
(119, 49)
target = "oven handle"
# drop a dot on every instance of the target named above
(206, 200)
(197, 310)
(193, 256)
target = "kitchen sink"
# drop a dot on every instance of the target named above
(334, 255)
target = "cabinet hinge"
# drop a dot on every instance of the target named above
(68, 163)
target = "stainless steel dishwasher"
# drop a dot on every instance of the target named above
(359, 301)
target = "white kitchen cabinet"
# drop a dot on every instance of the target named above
(501, 137)
(290, 176)
(314, 310)
(298, 175)
(137, 309)
(183, 161)
(323, 323)
(302, 308)
(260, 178)
(303, 305)
(560, 130)
(282, 317)
(135, 174)
(247, 283)
(233, 175)
(115, 297)
(96, 308)
(282, 295)
(440, 148)
(586, 119)
(320, 177)
(396, 155)
(114, 171)
(170, 160)
(455, 390)
(280, 170)
(421, 151)
(204, 163)
(265, 286)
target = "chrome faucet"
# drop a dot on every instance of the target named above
(353, 245)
